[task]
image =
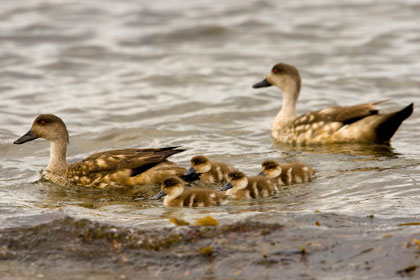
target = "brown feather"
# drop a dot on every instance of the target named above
(104, 166)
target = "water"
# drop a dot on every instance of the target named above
(153, 74)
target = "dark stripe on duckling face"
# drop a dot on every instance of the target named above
(29, 136)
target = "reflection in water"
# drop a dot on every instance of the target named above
(126, 75)
(354, 149)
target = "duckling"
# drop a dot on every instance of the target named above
(347, 124)
(241, 186)
(127, 167)
(176, 196)
(208, 171)
(286, 173)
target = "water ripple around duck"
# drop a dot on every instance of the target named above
(127, 75)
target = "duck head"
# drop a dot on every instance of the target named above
(284, 76)
(271, 168)
(199, 164)
(49, 127)
(236, 180)
(171, 187)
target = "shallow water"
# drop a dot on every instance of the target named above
(153, 74)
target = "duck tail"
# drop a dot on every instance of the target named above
(391, 122)
(171, 148)
(171, 151)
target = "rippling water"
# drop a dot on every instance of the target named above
(153, 74)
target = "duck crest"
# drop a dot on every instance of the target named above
(124, 167)
(345, 124)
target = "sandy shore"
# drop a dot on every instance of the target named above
(296, 246)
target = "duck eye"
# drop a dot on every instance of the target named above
(42, 122)
(275, 70)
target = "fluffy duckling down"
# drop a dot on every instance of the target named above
(240, 186)
(208, 171)
(177, 196)
(286, 173)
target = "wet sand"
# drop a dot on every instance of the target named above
(310, 246)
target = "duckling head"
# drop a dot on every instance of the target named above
(284, 76)
(49, 127)
(199, 164)
(236, 180)
(271, 168)
(171, 187)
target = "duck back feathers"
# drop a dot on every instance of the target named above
(361, 123)
(126, 167)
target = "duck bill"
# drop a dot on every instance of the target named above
(226, 187)
(263, 83)
(190, 178)
(261, 173)
(159, 195)
(190, 171)
(29, 136)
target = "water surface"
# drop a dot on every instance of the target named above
(154, 74)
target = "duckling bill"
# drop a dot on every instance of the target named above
(176, 196)
(345, 124)
(208, 171)
(125, 167)
(240, 186)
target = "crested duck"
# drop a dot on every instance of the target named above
(208, 171)
(240, 186)
(126, 167)
(286, 173)
(346, 124)
(176, 196)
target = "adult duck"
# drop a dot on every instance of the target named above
(126, 167)
(345, 124)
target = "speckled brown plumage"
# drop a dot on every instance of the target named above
(346, 124)
(123, 167)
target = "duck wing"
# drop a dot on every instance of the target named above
(350, 114)
(136, 160)
(357, 123)
(340, 114)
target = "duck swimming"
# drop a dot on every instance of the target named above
(286, 173)
(126, 167)
(208, 171)
(346, 124)
(176, 196)
(240, 186)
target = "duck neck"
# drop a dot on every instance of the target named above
(288, 109)
(58, 162)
